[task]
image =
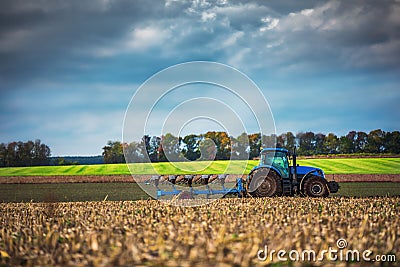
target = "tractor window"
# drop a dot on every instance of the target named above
(278, 160)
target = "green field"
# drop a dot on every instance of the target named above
(330, 166)
(132, 191)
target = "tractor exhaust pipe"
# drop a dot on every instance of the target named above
(294, 166)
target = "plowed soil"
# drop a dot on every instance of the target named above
(141, 178)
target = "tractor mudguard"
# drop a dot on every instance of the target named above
(262, 167)
(310, 173)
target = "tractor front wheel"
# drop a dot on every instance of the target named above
(265, 183)
(316, 187)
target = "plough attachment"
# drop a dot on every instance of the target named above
(205, 184)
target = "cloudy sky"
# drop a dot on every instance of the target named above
(68, 69)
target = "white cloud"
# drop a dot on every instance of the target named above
(239, 57)
(307, 12)
(140, 39)
(232, 39)
(205, 16)
(271, 23)
(143, 38)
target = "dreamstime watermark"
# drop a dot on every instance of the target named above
(340, 253)
(192, 98)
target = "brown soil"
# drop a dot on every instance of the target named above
(348, 156)
(141, 178)
(364, 177)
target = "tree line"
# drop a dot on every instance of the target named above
(220, 146)
(21, 154)
(212, 145)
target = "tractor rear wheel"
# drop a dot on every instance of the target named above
(316, 187)
(265, 183)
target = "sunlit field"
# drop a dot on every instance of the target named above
(330, 166)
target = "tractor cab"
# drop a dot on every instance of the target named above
(277, 159)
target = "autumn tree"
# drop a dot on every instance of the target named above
(222, 143)
(218, 145)
(113, 152)
(254, 144)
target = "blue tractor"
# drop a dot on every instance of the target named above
(274, 176)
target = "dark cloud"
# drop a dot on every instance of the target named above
(58, 37)
(72, 46)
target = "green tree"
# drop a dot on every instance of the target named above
(146, 147)
(268, 140)
(306, 143)
(62, 161)
(134, 152)
(191, 151)
(11, 158)
(16, 154)
(331, 143)
(208, 149)
(288, 140)
(153, 148)
(319, 144)
(375, 141)
(3, 155)
(360, 142)
(171, 147)
(392, 142)
(350, 147)
(240, 147)
(280, 141)
(345, 145)
(41, 153)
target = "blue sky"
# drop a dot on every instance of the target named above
(68, 69)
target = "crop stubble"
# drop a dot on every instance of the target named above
(226, 232)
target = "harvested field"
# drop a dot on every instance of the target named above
(71, 192)
(229, 232)
(141, 178)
